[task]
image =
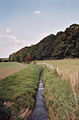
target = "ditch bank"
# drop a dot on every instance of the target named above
(39, 112)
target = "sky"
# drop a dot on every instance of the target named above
(26, 22)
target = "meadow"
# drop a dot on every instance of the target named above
(7, 68)
(66, 66)
(17, 93)
(67, 69)
(59, 98)
(61, 93)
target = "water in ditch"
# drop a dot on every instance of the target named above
(39, 112)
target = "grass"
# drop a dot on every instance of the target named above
(66, 65)
(67, 69)
(18, 91)
(7, 68)
(59, 98)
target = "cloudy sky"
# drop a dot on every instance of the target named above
(26, 22)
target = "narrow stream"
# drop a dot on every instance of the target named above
(39, 112)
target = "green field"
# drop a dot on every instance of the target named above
(7, 68)
(17, 93)
(59, 98)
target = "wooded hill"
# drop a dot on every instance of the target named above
(63, 45)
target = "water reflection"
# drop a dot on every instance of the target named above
(39, 112)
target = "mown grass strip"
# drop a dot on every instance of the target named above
(18, 91)
(59, 97)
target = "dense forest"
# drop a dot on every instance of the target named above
(62, 45)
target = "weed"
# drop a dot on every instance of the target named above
(59, 97)
(18, 90)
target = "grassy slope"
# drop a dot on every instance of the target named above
(58, 96)
(19, 88)
(7, 68)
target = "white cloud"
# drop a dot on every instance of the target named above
(37, 12)
(10, 43)
(12, 37)
(9, 31)
(13, 24)
(1, 36)
(13, 40)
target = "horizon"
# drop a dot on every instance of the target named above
(26, 22)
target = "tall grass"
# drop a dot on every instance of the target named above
(59, 98)
(17, 93)
(67, 69)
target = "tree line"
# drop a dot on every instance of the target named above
(62, 45)
(4, 60)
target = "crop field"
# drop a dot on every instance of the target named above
(59, 98)
(7, 68)
(17, 93)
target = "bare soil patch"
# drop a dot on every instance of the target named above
(7, 69)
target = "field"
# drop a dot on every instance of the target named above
(61, 93)
(68, 72)
(67, 69)
(59, 98)
(17, 93)
(7, 68)
(69, 66)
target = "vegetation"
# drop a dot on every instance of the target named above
(4, 60)
(27, 59)
(17, 93)
(66, 65)
(10, 67)
(59, 97)
(67, 69)
(63, 45)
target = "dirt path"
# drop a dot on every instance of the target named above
(39, 112)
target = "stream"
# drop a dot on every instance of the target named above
(39, 112)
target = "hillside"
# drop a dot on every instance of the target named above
(63, 45)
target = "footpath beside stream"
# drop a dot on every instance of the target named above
(39, 112)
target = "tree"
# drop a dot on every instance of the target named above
(27, 59)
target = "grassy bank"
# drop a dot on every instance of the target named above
(66, 65)
(17, 93)
(59, 97)
(7, 68)
(67, 69)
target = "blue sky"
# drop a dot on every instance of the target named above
(26, 22)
